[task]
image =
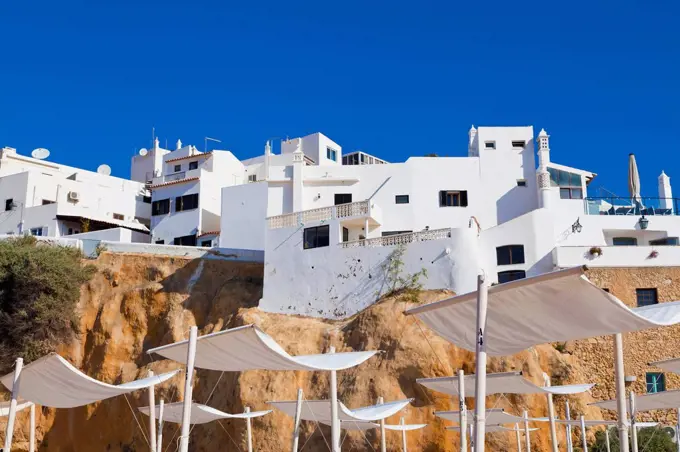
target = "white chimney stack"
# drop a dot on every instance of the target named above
(665, 192)
(178, 145)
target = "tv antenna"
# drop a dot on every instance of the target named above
(205, 144)
(40, 153)
(104, 169)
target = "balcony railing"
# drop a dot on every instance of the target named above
(627, 206)
(352, 209)
(400, 239)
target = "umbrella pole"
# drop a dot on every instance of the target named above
(621, 393)
(462, 411)
(606, 439)
(480, 369)
(403, 435)
(583, 434)
(335, 422)
(518, 437)
(249, 431)
(551, 415)
(160, 427)
(570, 445)
(188, 391)
(633, 422)
(298, 414)
(472, 438)
(31, 434)
(152, 415)
(527, 438)
(383, 439)
(13, 404)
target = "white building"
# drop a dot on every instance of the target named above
(49, 199)
(331, 228)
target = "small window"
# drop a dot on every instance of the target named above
(160, 207)
(70, 231)
(186, 202)
(193, 165)
(646, 297)
(118, 216)
(206, 243)
(451, 198)
(345, 235)
(160, 242)
(252, 178)
(146, 199)
(656, 382)
(331, 154)
(521, 183)
(490, 145)
(343, 198)
(46, 202)
(38, 232)
(518, 144)
(9, 204)
(510, 254)
(316, 237)
(511, 275)
(186, 240)
(401, 199)
(624, 241)
(665, 241)
(178, 168)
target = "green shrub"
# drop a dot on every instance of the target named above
(655, 439)
(39, 291)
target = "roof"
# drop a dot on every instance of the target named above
(585, 173)
(187, 157)
(174, 182)
(203, 234)
(110, 221)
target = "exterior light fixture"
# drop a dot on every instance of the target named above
(644, 222)
(576, 227)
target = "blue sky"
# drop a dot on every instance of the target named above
(395, 79)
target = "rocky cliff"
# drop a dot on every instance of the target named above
(136, 302)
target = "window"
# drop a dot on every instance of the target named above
(345, 235)
(186, 202)
(401, 199)
(46, 202)
(206, 243)
(160, 207)
(518, 144)
(316, 237)
(146, 199)
(490, 145)
(9, 204)
(521, 183)
(186, 240)
(178, 168)
(193, 165)
(449, 198)
(510, 254)
(569, 183)
(646, 297)
(624, 241)
(70, 231)
(331, 154)
(343, 198)
(665, 241)
(252, 178)
(511, 275)
(656, 382)
(38, 232)
(118, 216)
(160, 242)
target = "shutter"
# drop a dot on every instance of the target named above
(463, 199)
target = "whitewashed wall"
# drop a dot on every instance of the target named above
(244, 209)
(175, 224)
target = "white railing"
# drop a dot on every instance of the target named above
(617, 256)
(353, 209)
(400, 239)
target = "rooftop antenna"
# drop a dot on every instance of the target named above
(40, 153)
(205, 144)
(104, 169)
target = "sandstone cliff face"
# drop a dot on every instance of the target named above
(138, 302)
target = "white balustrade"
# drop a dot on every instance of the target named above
(353, 209)
(400, 239)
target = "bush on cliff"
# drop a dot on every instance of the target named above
(39, 291)
(656, 439)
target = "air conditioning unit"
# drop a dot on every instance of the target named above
(73, 196)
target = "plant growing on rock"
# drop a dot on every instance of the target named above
(402, 284)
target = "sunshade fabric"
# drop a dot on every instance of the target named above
(499, 383)
(405, 427)
(645, 402)
(494, 429)
(200, 414)
(588, 422)
(320, 410)
(54, 382)
(494, 416)
(633, 178)
(558, 306)
(4, 407)
(669, 365)
(358, 425)
(248, 348)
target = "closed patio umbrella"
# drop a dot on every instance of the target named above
(634, 181)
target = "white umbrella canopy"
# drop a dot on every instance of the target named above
(200, 414)
(633, 179)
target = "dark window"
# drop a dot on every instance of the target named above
(646, 297)
(186, 202)
(511, 275)
(510, 254)
(316, 237)
(332, 154)
(193, 165)
(160, 207)
(521, 183)
(37, 231)
(47, 201)
(490, 145)
(252, 178)
(665, 241)
(70, 231)
(345, 235)
(389, 233)
(187, 240)
(9, 204)
(569, 183)
(656, 382)
(206, 243)
(343, 198)
(453, 198)
(160, 242)
(624, 241)
(401, 199)
(118, 216)
(146, 199)
(518, 144)
(178, 168)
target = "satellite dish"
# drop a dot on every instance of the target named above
(104, 169)
(143, 152)
(40, 153)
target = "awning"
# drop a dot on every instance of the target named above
(4, 407)
(79, 214)
(499, 383)
(494, 429)
(320, 410)
(405, 427)
(200, 414)
(669, 365)
(558, 306)
(248, 348)
(645, 402)
(595, 423)
(494, 416)
(53, 382)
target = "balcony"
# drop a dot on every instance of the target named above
(617, 256)
(174, 177)
(349, 212)
(626, 206)
(400, 239)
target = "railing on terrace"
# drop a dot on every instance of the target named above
(352, 209)
(400, 239)
(627, 206)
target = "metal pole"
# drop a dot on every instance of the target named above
(677, 431)
(621, 393)
(606, 439)
(480, 370)
(160, 427)
(383, 439)
(403, 435)
(13, 405)
(152, 415)
(518, 437)
(551, 415)
(335, 421)
(462, 411)
(527, 438)
(583, 434)
(188, 391)
(570, 444)
(31, 434)
(472, 438)
(249, 430)
(633, 422)
(298, 415)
